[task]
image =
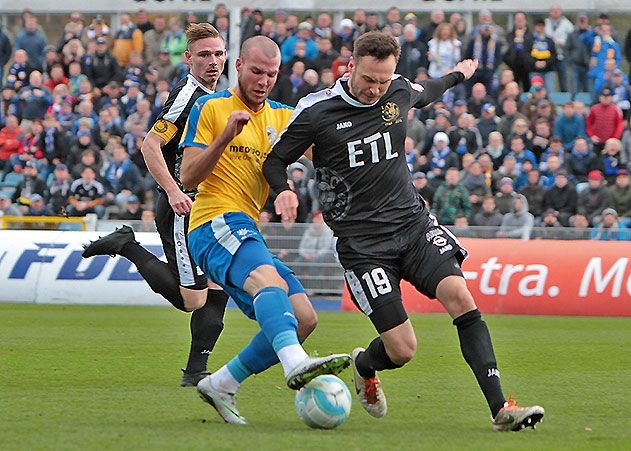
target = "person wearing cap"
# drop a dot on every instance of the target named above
(304, 32)
(604, 120)
(569, 125)
(441, 157)
(486, 48)
(595, 198)
(543, 54)
(610, 228)
(506, 192)
(487, 122)
(559, 27)
(102, 67)
(7, 207)
(37, 207)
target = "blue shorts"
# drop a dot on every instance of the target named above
(228, 249)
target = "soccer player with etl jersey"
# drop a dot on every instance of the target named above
(384, 230)
(227, 137)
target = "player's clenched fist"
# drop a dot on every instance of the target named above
(467, 67)
(236, 122)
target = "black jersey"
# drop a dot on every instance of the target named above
(172, 119)
(358, 152)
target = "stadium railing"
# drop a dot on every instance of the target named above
(84, 223)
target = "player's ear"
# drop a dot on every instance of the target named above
(351, 64)
(187, 56)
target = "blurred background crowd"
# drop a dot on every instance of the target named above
(540, 136)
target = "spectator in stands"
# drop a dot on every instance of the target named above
(581, 160)
(553, 165)
(518, 222)
(487, 49)
(594, 199)
(436, 17)
(543, 55)
(58, 189)
(604, 48)
(577, 53)
(422, 187)
(34, 99)
(413, 53)
(132, 210)
(505, 196)
(505, 126)
(32, 40)
(339, 66)
(610, 228)
(520, 152)
(569, 126)
(56, 77)
(19, 70)
(152, 40)
(88, 157)
(517, 56)
(326, 54)
(462, 138)
(620, 193)
(486, 166)
(451, 199)
(101, 68)
(31, 184)
(86, 195)
(316, 245)
(441, 158)
(604, 120)
(53, 142)
(510, 91)
(608, 162)
(558, 27)
(487, 122)
(605, 77)
(621, 92)
(37, 207)
(552, 228)
(5, 54)
(29, 150)
(495, 149)
(444, 53)
(97, 29)
(72, 52)
(541, 137)
(304, 33)
(475, 183)
(534, 192)
(10, 142)
(7, 208)
(478, 97)
(416, 129)
(626, 144)
(175, 41)
(140, 116)
(123, 177)
(487, 216)
(142, 21)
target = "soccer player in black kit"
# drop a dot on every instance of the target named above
(385, 232)
(179, 280)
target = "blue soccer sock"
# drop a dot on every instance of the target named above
(275, 316)
(258, 355)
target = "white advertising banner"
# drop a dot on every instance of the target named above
(47, 267)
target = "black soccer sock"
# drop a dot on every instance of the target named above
(375, 358)
(477, 349)
(206, 326)
(155, 272)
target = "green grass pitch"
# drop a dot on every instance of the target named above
(99, 378)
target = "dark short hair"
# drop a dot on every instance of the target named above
(376, 44)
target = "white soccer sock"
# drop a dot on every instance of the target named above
(224, 381)
(290, 356)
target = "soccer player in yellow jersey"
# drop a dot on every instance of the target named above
(226, 140)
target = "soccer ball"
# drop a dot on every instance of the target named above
(324, 403)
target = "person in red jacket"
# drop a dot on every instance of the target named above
(604, 120)
(10, 142)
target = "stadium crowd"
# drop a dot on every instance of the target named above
(540, 135)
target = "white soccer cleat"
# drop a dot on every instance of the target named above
(511, 417)
(369, 391)
(224, 403)
(312, 367)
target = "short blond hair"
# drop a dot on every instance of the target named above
(196, 31)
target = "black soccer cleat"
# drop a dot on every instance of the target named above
(192, 379)
(110, 244)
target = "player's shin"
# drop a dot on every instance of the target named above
(276, 318)
(477, 350)
(159, 277)
(373, 359)
(206, 326)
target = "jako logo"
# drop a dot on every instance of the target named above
(341, 125)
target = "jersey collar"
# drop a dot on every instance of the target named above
(344, 92)
(199, 84)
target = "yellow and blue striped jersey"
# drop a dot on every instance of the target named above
(237, 182)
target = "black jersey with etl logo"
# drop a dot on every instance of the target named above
(172, 119)
(358, 152)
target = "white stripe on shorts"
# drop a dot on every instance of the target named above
(358, 292)
(184, 266)
(223, 234)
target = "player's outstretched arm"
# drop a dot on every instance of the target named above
(198, 163)
(152, 153)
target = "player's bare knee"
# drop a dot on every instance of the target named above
(264, 276)
(193, 299)
(305, 315)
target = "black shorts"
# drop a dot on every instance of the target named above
(173, 230)
(422, 254)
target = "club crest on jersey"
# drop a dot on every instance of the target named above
(271, 134)
(390, 113)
